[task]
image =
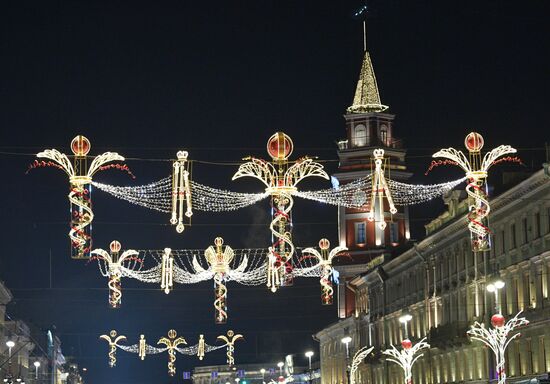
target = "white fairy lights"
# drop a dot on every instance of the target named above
(181, 192)
(356, 361)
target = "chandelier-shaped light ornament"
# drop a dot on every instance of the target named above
(406, 357)
(281, 182)
(476, 169)
(80, 179)
(201, 347)
(113, 339)
(167, 271)
(325, 258)
(116, 264)
(379, 191)
(181, 192)
(171, 342)
(356, 361)
(219, 259)
(229, 341)
(142, 351)
(498, 338)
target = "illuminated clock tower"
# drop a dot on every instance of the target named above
(368, 127)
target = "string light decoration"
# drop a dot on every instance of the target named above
(181, 192)
(280, 180)
(230, 340)
(171, 342)
(476, 169)
(325, 258)
(80, 179)
(498, 338)
(407, 356)
(357, 360)
(113, 339)
(167, 271)
(116, 264)
(219, 260)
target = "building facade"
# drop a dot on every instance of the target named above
(442, 284)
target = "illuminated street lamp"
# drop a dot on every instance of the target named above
(494, 286)
(404, 319)
(10, 344)
(309, 355)
(280, 364)
(346, 340)
(36, 366)
(262, 371)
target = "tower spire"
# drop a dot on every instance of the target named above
(367, 98)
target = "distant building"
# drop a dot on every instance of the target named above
(254, 374)
(442, 283)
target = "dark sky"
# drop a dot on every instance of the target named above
(218, 78)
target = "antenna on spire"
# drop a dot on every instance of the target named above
(361, 13)
(365, 35)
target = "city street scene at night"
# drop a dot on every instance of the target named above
(268, 192)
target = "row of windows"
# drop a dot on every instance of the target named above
(361, 135)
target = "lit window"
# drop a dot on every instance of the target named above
(384, 134)
(360, 135)
(394, 233)
(360, 233)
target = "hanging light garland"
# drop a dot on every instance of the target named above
(171, 344)
(181, 192)
(280, 180)
(116, 265)
(476, 169)
(80, 179)
(379, 191)
(328, 274)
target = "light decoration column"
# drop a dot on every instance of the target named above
(80, 178)
(181, 193)
(379, 190)
(142, 348)
(280, 180)
(171, 343)
(219, 259)
(498, 338)
(328, 274)
(115, 263)
(476, 169)
(113, 339)
(406, 357)
(201, 346)
(167, 271)
(357, 360)
(230, 340)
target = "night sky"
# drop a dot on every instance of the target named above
(218, 78)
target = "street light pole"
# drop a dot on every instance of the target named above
(309, 354)
(346, 340)
(494, 286)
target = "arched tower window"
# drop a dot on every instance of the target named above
(384, 134)
(360, 135)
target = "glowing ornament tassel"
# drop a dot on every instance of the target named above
(201, 347)
(80, 178)
(171, 343)
(498, 338)
(280, 180)
(230, 340)
(181, 192)
(476, 169)
(325, 258)
(407, 356)
(113, 339)
(379, 191)
(167, 271)
(115, 263)
(142, 349)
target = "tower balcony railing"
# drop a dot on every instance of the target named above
(371, 142)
